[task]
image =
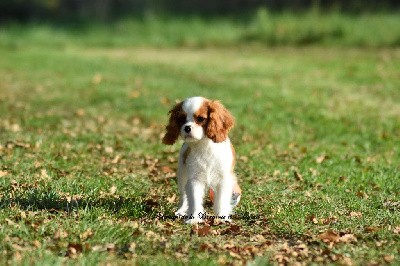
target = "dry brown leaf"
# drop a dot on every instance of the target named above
(362, 195)
(388, 258)
(396, 230)
(280, 258)
(37, 244)
(201, 230)
(109, 149)
(110, 247)
(312, 219)
(85, 235)
(151, 235)
(60, 234)
(321, 158)
(298, 176)
(132, 247)
(172, 198)
(74, 250)
(257, 238)
(348, 238)
(355, 214)
(371, 229)
(232, 229)
(329, 236)
(116, 159)
(44, 174)
(3, 173)
(167, 169)
(17, 256)
(113, 189)
(346, 261)
(205, 247)
(234, 255)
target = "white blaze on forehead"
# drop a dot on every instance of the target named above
(191, 105)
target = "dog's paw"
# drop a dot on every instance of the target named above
(181, 212)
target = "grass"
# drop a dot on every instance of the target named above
(86, 180)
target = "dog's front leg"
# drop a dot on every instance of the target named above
(195, 193)
(222, 200)
(183, 201)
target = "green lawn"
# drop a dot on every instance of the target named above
(85, 179)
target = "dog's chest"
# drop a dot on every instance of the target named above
(209, 161)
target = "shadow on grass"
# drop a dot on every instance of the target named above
(34, 200)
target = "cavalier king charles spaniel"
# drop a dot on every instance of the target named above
(206, 158)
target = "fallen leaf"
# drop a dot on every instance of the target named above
(37, 244)
(3, 173)
(109, 149)
(346, 261)
(388, 258)
(371, 229)
(234, 255)
(15, 128)
(44, 174)
(167, 169)
(362, 195)
(172, 198)
(312, 219)
(60, 234)
(17, 256)
(355, 214)
(201, 230)
(232, 229)
(205, 247)
(85, 235)
(113, 189)
(116, 159)
(298, 176)
(396, 230)
(132, 247)
(73, 250)
(257, 238)
(329, 236)
(348, 238)
(110, 247)
(321, 158)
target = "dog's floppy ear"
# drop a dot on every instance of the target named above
(173, 127)
(219, 123)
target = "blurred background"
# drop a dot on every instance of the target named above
(106, 10)
(199, 23)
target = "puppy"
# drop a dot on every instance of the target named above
(206, 159)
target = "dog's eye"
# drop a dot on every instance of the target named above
(200, 119)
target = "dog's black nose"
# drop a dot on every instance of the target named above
(188, 129)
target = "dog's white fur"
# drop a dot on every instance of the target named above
(203, 163)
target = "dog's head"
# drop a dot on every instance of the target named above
(197, 118)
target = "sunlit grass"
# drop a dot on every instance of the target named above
(84, 175)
